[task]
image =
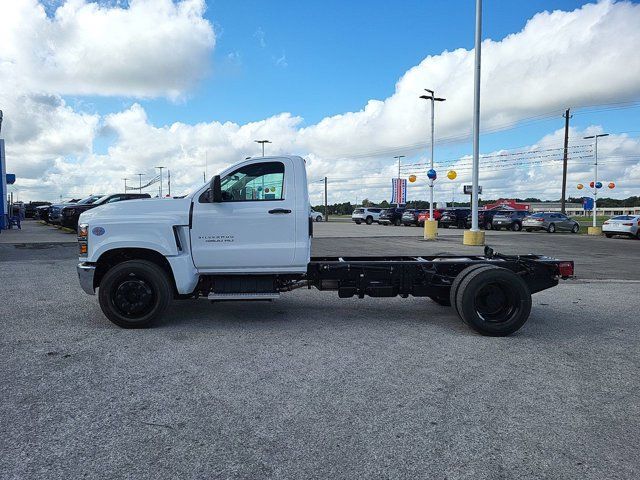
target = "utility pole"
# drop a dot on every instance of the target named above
(566, 116)
(398, 157)
(595, 176)
(160, 188)
(433, 99)
(125, 184)
(475, 236)
(262, 142)
(140, 175)
(169, 181)
(326, 208)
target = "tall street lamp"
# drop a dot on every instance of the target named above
(125, 184)
(140, 175)
(398, 157)
(262, 142)
(160, 189)
(431, 97)
(595, 175)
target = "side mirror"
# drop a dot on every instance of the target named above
(216, 190)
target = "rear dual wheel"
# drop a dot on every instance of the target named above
(491, 300)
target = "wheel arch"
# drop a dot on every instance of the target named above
(113, 257)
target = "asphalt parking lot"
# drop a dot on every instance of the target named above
(311, 386)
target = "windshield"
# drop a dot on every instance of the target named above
(623, 217)
(538, 215)
(89, 200)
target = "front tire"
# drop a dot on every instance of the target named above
(608, 235)
(575, 229)
(551, 228)
(397, 222)
(134, 294)
(516, 227)
(358, 222)
(369, 220)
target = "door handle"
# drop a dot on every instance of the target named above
(279, 210)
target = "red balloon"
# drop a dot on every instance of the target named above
(612, 185)
(592, 184)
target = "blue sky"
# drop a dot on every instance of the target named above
(316, 59)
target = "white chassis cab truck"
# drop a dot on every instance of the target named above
(247, 234)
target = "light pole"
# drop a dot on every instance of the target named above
(433, 99)
(475, 236)
(125, 184)
(262, 142)
(160, 189)
(398, 157)
(140, 175)
(595, 176)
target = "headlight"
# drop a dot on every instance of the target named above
(83, 231)
(83, 245)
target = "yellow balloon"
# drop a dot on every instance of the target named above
(412, 178)
(580, 186)
(451, 174)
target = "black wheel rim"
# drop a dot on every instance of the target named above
(133, 297)
(496, 302)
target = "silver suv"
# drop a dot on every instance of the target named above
(551, 222)
(366, 215)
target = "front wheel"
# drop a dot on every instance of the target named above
(134, 294)
(575, 229)
(319, 218)
(608, 235)
(488, 226)
(358, 222)
(369, 220)
(516, 227)
(551, 228)
(398, 222)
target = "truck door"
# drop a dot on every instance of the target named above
(253, 228)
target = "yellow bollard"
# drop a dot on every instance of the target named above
(430, 229)
(473, 238)
(594, 230)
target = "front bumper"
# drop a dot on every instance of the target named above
(85, 275)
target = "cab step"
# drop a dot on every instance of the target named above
(244, 296)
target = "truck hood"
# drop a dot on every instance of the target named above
(171, 210)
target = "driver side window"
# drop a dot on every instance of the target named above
(255, 182)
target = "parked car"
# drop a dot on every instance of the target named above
(70, 214)
(424, 216)
(485, 217)
(410, 216)
(509, 220)
(627, 225)
(454, 217)
(391, 216)
(42, 212)
(367, 215)
(31, 208)
(551, 222)
(56, 208)
(315, 216)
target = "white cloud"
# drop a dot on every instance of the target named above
(559, 59)
(152, 48)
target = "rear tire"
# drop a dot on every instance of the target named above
(358, 222)
(458, 280)
(516, 227)
(134, 294)
(494, 302)
(397, 222)
(488, 226)
(551, 228)
(319, 218)
(608, 235)
(369, 220)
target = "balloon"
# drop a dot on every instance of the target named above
(591, 185)
(451, 174)
(412, 178)
(598, 184)
(612, 185)
(431, 174)
(580, 186)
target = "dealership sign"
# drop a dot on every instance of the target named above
(468, 189)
